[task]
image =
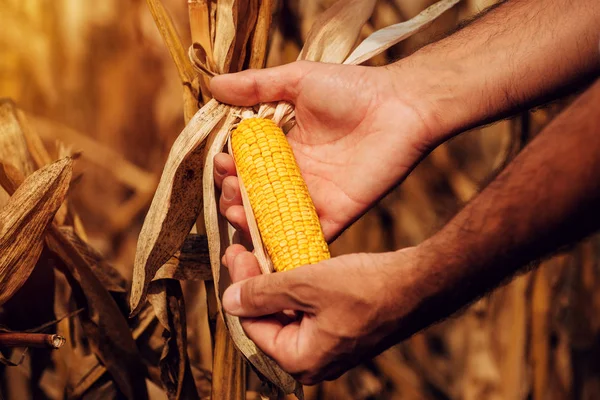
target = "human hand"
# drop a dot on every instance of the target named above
(356, 135)
(349, 308)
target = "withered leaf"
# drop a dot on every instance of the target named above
(385, 38)
(247, 14)
(335, 32)
(177, 202)
(260, 37)
(192, 262)
(225, 34)
(104, 325)
(110, 278)
(175, 372)
(229, 370)
(23, 223)
(13, 143)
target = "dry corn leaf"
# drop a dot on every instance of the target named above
(13, 143)
(225, 34)
(247, 14)
(335, 32)
(229, 367)
(260, 36)
(36, 148)
(385, 38)
(200, 24)
(111, 279)
(192, 262)
(104, 325)
(175, 372)
(177, 202)
(23, 223)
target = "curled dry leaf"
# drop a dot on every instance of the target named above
(260, 36)
(175, 371)
(327, 43)
(177, 202)
(385, 38)
(110, 278)
(103, 324)
(23, 223)
(248, 10)
(225, 36)
(335, 32)
(13, 143)
(192, 262)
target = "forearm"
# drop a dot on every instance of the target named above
(548, 197)
(517, 55)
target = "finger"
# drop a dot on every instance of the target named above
(230, 194)
(237, 217)
(267, 294)
(244, 265)
(230, 253)
(277, 340)
(251, 87)
(224, 166)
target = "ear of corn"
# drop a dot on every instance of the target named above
(284, 212)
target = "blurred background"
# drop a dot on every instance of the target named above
(96, 77)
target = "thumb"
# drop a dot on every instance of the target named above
(254, 86)
(268, 294)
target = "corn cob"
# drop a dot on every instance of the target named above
(284, 212)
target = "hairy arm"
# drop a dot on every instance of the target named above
(518, 54)
(548, 197)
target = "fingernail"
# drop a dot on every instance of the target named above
(220, 169)
(232, 299)
(228, 192)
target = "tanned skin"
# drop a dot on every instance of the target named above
(361, 130)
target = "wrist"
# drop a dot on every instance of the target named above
(439, 94)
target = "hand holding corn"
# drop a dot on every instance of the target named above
(360, 130)
(349, 149)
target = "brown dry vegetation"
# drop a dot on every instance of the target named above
(95, 78)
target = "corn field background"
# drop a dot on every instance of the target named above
(95, 80)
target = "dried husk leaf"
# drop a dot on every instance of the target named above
(229, 369)
(225, 34)
(103, 324)
(110, 278)
(335, 32)
(385, 38)
(175, 372)
(247, 14)
(36, 148)
(260, 37)
(200, 24)
(13, 144)
(192, 262)
(327, 43)
(218, 239)
(177, 202)
(23, 223)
